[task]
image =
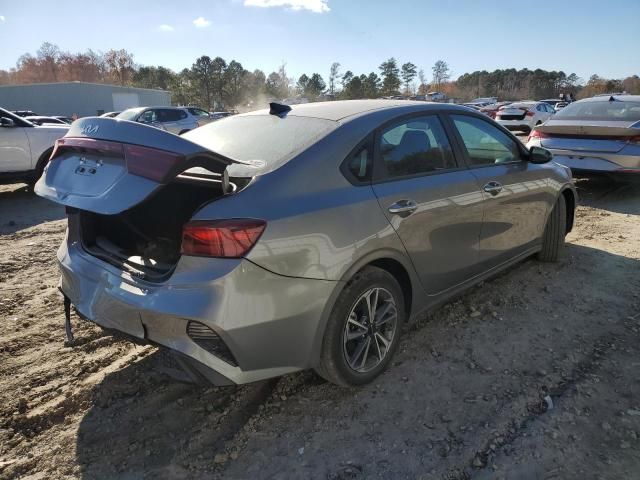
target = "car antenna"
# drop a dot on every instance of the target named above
(278, 109)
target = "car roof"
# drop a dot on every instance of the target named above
(605, 98)
(342, 109)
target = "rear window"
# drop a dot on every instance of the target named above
(265, 140)
(606, 110)
(130, 114)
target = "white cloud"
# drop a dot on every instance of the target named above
(317, 6)
(201, 22)
(166, 28)
(2, 19)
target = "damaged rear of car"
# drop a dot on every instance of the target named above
(136, 261)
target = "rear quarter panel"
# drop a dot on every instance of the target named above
(318, 224)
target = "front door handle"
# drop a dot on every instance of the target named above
(494, 188)
(403, 206)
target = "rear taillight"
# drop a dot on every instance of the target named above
(537, 134)
(231, 238)
(145, 162)
(530, 113)
(150, 163)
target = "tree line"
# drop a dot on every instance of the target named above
(215, 83)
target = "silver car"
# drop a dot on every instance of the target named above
(296, 237)
(176, 120)
(599, 135)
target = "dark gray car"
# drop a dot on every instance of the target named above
(297, 237)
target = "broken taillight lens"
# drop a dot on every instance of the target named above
(232, 238)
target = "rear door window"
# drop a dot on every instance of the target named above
(485, 144)
(171, 115)
(196, 112)
(148, 116)
(415, 146)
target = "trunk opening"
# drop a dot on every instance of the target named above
(145, 240)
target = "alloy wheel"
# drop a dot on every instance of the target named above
(370, 329)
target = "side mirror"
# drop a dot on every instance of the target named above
(7, 122)
(540, 155)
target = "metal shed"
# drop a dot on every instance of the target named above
(80, 98)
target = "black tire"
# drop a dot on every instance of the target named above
(334, 365)
(554, 232)
(37, 173)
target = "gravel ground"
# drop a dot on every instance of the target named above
(532, 375)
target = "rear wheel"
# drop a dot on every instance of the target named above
(554, 232)
(364, 328)
(37, 173)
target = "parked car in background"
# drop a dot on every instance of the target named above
(25, 147)
(296, 237)
(481, 102)
(176, 120)
(523, 116)
(64, 118)
(491, 110)
(42, 120)
(110, 114)
(436, 96)
(599, 135)
(551, 101)
(24, 113)
(219, 115)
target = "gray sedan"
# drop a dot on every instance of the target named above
(296, 237)
(599, 135)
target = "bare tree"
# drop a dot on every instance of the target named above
(334, 75)
(422, 88)
(120, 64)
(440, 73)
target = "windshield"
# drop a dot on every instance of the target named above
(130, 114)
(609, 110)
(266, 140)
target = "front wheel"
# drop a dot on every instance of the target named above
(363, 330)
(554, 232)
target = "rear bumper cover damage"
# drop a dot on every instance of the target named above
(269, 322)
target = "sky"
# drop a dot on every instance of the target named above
(574, 36)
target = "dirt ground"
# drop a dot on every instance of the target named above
(532, 375)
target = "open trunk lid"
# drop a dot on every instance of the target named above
(106, 165)
(588, 135)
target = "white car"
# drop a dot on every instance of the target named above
(523, 116)
(25, 147)
(176, 120)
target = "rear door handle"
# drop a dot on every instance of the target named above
(494, 188)
(403, 206)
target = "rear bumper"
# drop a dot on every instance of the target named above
(269, 322)
(594, 164)
(523, 125)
